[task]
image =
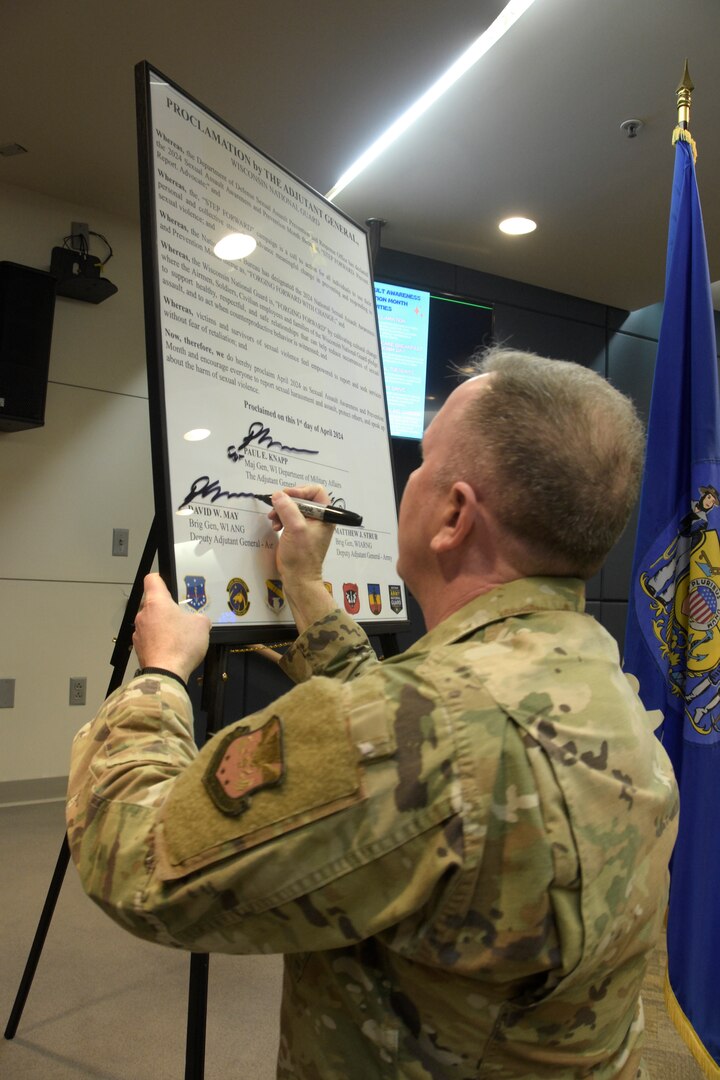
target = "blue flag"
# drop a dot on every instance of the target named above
(673, 630)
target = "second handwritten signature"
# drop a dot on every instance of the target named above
(259, 434)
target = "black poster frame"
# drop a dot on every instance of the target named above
(164, 511)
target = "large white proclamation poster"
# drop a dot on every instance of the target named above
(264, 372)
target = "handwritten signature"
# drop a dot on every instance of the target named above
(259, 434)
(205, 488)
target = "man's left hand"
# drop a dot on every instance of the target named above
(166, 636)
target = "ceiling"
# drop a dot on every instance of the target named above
(533, 129)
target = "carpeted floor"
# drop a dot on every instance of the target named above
(105, 1006)
(666, 1055)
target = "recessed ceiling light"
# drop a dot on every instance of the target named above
(517, 226)
(235, 246)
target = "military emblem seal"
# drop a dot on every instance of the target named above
(351, 597)
(195, 592)
(238, 600)
(275, 597)
(396, 599)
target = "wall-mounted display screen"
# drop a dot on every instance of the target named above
(426, 339)
(403, 316)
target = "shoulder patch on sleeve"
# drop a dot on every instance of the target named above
(285, 767)
(245, 762)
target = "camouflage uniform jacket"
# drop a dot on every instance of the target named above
(462, 850)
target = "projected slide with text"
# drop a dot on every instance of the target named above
(403, 325)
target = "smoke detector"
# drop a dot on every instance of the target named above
(631, 127)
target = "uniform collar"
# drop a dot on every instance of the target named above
(519, 597)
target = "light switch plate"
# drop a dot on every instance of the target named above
(7, 693)
(121, 540)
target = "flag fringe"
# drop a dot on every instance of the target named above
(685, 136)
(687, 1033)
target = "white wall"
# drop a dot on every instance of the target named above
(65, 486)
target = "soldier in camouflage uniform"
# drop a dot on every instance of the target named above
(462, 850)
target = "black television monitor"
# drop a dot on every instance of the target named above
(426, 339)
(27, 309)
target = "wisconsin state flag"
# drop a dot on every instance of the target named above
(673, 630)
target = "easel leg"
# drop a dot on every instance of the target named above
(119, 659)
(214, 680)
(39, 940)
(197, 1017)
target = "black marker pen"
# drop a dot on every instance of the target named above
(333, 515)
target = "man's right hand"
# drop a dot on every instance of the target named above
(302, 546)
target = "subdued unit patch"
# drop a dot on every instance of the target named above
(244, 763)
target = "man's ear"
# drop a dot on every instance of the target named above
(458, 518)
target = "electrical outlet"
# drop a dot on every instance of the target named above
(78, 689)
(121, 541)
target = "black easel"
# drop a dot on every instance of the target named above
(213, 701)
(214, 677)
(119, 659)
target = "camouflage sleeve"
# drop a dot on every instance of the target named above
(312, 824)
(149, 721)
(334, 646)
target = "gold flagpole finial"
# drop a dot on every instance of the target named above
(684, 97)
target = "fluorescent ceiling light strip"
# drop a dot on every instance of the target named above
(507, 17)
